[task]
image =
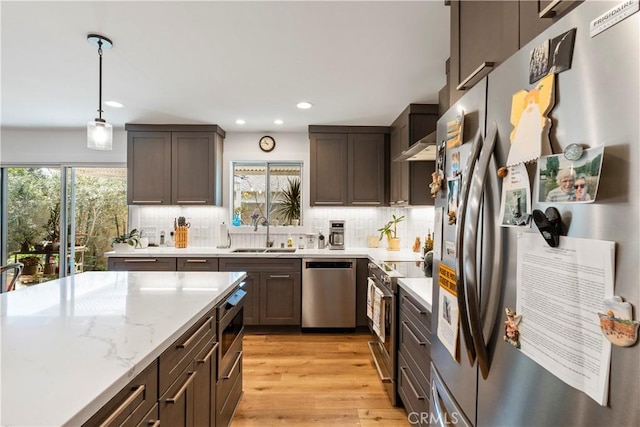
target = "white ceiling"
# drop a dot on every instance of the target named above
(211, 62)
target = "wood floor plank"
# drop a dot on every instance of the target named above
(312, 379)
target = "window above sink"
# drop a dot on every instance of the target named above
(266, 193)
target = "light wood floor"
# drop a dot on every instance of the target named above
(312, 379)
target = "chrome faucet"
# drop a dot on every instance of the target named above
(255, 228)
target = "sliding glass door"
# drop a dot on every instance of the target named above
(39, 202)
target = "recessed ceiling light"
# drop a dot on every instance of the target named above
(278, 121)
(304, 105)
(114, 104)
(240, 122)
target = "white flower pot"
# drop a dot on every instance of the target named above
(122, 247)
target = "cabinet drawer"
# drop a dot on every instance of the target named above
(151, 419)
(416, 311)
(260, 264)
(132, 403)
(142, 264)
(416, 348)
(228, 391)
(177, 358)
(176, 405)
(413, 395)
(197, 264)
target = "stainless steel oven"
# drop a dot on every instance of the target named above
(384, 276)
(230, 329)
(383, 345)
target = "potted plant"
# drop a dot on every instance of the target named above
(126, 242)
(290, 202)
(32, 265)
(390, 229)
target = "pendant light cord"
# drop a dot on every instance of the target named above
(100, 83)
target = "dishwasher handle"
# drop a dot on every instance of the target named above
(332, 265)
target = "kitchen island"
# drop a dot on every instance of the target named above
(70, 345)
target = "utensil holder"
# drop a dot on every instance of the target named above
(181, 237)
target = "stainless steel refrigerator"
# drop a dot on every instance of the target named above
(596, 102)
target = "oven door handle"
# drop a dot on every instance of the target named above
(386, 294)
(383, 378)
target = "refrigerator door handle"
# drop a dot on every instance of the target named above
(471, 272)
(460, 247)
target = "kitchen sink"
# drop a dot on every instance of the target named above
(280, 250)
(249, 250)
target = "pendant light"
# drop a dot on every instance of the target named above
(99, 132)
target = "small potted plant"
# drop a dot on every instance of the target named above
(127, 241)
(32, 265)
(390, 230)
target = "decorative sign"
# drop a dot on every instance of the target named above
(613, 16)
(448, 313)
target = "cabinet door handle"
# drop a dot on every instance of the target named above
(475, 75)
(191, 201)
(157, 202)
(153, 423)
(413, 388)
(197, 261)
(180, 392)
(550, 10)
(192, 337)
(115, 414)
(328, 203)
(141, 260)
(365, 203)
(233, 367)
(279, 276)
(415, 337)
(415, 307)
(208, 356)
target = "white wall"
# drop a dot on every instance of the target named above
(69, 146)
(29, 146)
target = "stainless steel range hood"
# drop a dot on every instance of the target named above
(424, 149)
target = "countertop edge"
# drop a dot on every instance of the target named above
(420, 289)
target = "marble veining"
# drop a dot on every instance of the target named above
(71, 344)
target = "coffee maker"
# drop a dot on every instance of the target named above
(336, 234)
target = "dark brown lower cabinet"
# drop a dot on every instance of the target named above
(229, 390)
(273, 287)
(177, 403)
(141, 264)
(133, 405)
(414, 360)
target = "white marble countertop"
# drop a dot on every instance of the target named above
(420, 289)
(69, 345)
(375, 254)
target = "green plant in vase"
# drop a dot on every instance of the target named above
(390, 230)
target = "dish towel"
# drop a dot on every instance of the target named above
(370, 295)
(378, 314)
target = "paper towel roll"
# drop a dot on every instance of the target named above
(224, 239)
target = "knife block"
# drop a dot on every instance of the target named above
(181, 237)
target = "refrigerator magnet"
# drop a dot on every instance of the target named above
(515, 204)
(455, 130)
(453, 187)
(511, 327)
(617, 324)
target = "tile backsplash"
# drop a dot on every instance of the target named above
(205, 224)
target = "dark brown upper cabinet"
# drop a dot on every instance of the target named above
(349, 165)
(536, 16)
(483, 34)
(409, 180)
(174, 164)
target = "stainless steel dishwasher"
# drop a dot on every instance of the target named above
(328, 293)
